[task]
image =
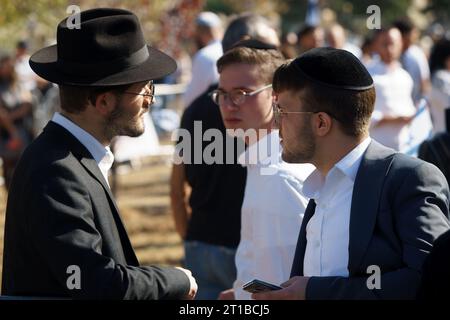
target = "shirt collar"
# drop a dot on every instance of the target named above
(101, 154)
(262, 151)
(348, 166)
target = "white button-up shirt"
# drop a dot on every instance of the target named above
(101, 154)
(272, 213)
(327, 232)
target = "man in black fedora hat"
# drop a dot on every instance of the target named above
(63, 233)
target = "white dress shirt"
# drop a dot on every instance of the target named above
(327, 232)
(272, 213)
(101, 154)
(393, 86)
(204, 71)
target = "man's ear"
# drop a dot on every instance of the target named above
(322, 124)
(105, 103)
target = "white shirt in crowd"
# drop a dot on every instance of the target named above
(272, 213)
(393, 86)
(440, 99)
(25, 74)
(415, 63)
(327, 232)
(204, 71)
(101, 154)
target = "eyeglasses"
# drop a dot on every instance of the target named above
(278, 112)
(237, 96)
(148, 87)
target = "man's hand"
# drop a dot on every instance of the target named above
(227, 295)
(293, 289)
(194, 287)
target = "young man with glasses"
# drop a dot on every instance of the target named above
(273, 204)
(206, 197)
(63, 233)
(374, 213)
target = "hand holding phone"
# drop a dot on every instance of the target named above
(256, 286)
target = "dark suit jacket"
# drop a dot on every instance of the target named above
(435, 283)
(61, 212)
(400, 205)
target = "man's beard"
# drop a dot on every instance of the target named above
(119, 123)
(304, 150)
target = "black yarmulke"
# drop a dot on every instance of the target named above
(334, 68)
(254, 44)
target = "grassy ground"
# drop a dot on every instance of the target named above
(143, 199)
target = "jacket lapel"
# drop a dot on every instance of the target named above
(297, 264)
(89, 163)
(366, 200)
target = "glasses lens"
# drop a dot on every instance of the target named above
(215, 96)
(237, 96)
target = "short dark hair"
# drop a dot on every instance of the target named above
(404, 25)
(352, 109)
(268, 60)
(75, 99)
(305, 30)
(244, 25)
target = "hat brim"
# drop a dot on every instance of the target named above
(45, 63)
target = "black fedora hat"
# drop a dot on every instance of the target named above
(107, 50)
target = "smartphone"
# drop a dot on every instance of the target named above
(256, 286)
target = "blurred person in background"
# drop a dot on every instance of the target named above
(208, 34)
(24, 73)
(46, 103)
(367, 50)
(16, 106)
(288, 45)
(394, 107)
(310, 37)
(440, 83)
(337, 38)
(206, 199)
(413, 59)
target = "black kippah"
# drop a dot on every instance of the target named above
(334, 68)
(253, 44)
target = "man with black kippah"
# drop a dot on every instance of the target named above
(374, 214)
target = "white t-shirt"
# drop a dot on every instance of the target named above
(393, 86)
(272, 214)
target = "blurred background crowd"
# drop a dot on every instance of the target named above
(419, 45)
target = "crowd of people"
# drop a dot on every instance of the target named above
(329, 186)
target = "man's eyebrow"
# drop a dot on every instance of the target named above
(236, 88)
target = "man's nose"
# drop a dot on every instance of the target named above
(227, 103)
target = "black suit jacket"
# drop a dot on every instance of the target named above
(435, 284)
(400, 205)
(60, 213)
